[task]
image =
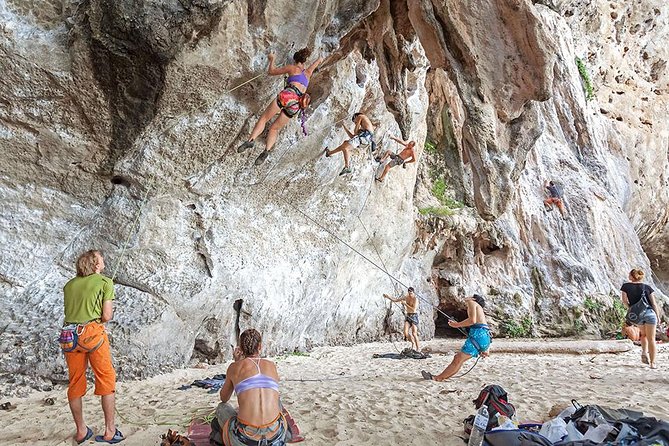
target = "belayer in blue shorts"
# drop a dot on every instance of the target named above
(478, 338)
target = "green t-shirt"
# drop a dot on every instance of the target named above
(84, 297)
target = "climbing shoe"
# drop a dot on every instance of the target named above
(326, 152)
(246, 145)
(262, 157)
(377, 159)
(345, 170)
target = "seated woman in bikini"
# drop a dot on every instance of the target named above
(478, 339)
(287, 102)
(256, 383)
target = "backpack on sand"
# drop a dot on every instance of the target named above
(495, 399)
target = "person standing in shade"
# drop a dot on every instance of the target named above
(410, 303)
(642, 311)
(88, 304)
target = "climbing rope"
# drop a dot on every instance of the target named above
(134, 224)
(470, 369)
(348, 245)
(339, 239)
(153, 177)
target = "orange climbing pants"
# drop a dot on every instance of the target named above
(101, 363)
(554, 200)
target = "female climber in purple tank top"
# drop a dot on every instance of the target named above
(287, 103)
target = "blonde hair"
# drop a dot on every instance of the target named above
(636, 275)
(87, 263)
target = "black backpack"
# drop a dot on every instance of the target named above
(496, 401)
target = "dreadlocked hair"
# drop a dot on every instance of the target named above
(249, 342)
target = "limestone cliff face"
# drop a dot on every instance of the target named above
(119, 124)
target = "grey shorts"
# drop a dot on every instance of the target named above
(412, 318)
(395, 161)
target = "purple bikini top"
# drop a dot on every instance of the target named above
(258, 381)
(300, 78)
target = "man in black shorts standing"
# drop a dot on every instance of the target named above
(410, 303)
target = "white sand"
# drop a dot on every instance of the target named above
(365, 401)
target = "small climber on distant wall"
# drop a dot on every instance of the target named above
(478, 338)
(362, 135)
(410, 303)
(405, 156)
(288, 102)
(554, 198)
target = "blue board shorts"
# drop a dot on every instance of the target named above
(479, 335)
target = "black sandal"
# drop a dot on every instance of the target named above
(427, 375)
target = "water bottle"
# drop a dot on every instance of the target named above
(479, 427)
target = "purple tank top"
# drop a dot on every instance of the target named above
(301, 78)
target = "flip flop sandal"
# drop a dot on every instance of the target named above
(89, 434)
(427, 375)
(117, 438)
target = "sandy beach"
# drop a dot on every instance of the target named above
(342, 396)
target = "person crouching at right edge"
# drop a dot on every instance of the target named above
(642, 311)
(88, 304)
(478, 338)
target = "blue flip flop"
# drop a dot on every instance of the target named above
(118, 437)
(89, 434)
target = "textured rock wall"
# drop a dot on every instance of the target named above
(554, 276)
(119, 123)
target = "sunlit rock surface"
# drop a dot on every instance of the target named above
(119, 123)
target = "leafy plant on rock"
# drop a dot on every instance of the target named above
(592, 305)
(515, 329)
(431, 148)
(448, 204)
(585, 77)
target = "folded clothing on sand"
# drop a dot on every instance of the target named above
(214, 383)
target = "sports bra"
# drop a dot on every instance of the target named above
(300, 78)
(258, 381)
